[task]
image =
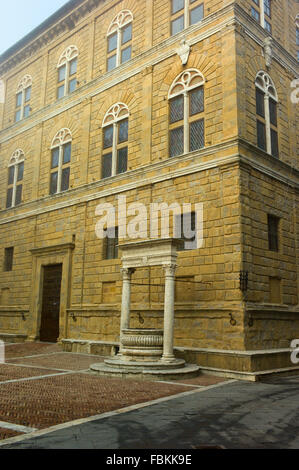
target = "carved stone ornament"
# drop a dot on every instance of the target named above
(268, 51)
(184, 51)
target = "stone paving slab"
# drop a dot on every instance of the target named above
(203, 380)
(10, 372)
(30, 349)
(46, 402)
(65, 361)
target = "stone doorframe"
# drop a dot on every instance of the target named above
(160, 252)
(57, 254)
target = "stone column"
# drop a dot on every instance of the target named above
(126, 298)
(168, 355)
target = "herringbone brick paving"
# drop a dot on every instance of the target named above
(45, 401)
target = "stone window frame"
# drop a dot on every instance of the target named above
(17, 159)
(23, 108)
(69, 55)
(121, 21)
(265, 84)
(265, 19)
(61, 139)
(116, 113)
(185, 11)
(183, 85)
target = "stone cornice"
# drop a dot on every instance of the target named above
(102, 188)
(53, 249)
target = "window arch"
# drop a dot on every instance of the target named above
(266, 110)
(115, 140)
(186, 121)
(23, 97)
(119, 37)
(67, 71)
(15, 179)
(185, 13)
(61, 149)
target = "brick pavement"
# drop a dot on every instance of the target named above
(50, 387)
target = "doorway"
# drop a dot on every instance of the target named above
(49, 330)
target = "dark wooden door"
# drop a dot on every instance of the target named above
(49, 331)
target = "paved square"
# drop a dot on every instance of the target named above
(42, 386)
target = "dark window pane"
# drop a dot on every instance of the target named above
(196, 14)
(61, 73)
(73, 67)
(11, 174)
(111, 242)
(8, 259)
(27, 94)
(53, 183)
(177, 25)
(267, 6)
(112, 42)
(107, 165)
(67, 150)
(60, 92)
(65, 179)
(260, 103)
(126, 34)
(176, 142)
(126, 54)
(20, 171)
(185, 228)
(274, 143)
(122, 160)
(111, 63)
(273, 112)
(196, 101)
(177, 5)
(9, 198)
(108, 137)
(261, 135)
(273, 226)
(19, 194)
(19, 100)
(197, 135)
(55, 158)
(177, 109)
(123, 131)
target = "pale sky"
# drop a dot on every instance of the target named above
(19, 17)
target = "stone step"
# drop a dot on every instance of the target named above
(152, 365)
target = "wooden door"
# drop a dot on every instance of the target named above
(49, 331)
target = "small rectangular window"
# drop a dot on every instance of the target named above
(60, 92)
(19, 194)
(111, 244)
(176, 144)
(255, 14)
(261, 135)
(18, 115)
(196, 14)
(111, 63)
(126, 34)
(185, 228)
(61, 73)
(177, 109)
(108, 137)
(177, 5)
(197, 101)
(65, 179)
(67, 150)
(73, 66)
(9, 198)
(72, 85)
(197, 135)
(260, 103)
(20, 171)
(273, 112)
(11, 174)
(8, 259)
(122, 160)
(27, 94)
(107, 165)
(126, 54)
(177, 25)
(273, 230)
(19, 100)
(55, 158)
(53, 183)
(26, 111)
(112, 42)
(123, 131)
(274, 143)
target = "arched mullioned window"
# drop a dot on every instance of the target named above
(266, 110)
(186, 120)
(261, 11)
(61, 149)
(185, 13)
(119, 37)
(115, 140)
(67, 71)
(15, 179)
(23, 97)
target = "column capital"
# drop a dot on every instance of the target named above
(127, 272)
(170, 269)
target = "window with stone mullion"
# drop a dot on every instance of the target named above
(15, 185)
(185, 13)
